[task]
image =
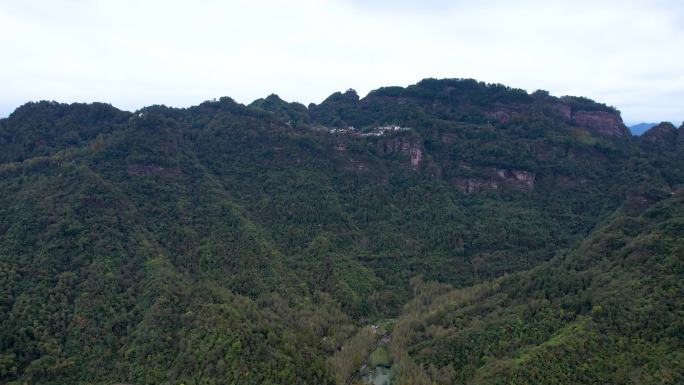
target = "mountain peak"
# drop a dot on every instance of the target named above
(39, 128)
(664, 132)
(53, 110)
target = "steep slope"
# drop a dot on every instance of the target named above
(118, 261)
(608, 312)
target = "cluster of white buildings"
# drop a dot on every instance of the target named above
(375, 131)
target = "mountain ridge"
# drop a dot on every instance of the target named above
(436, 91)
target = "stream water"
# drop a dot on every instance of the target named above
(378, 376)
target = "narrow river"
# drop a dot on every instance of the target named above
(377, 370)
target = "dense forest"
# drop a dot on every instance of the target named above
(449, 232)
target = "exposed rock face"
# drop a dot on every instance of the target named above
(601, 122)
(473, 185)
(416, 157)
(664, 132)
(516, 179)
(404, 145)
(521, 180)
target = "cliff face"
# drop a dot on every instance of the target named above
(474, 185)
(409, 147)
(519, 179)
(601, 122)
(604, 123)
(497, 179)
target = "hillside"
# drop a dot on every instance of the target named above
(607, 312)
(257, 244)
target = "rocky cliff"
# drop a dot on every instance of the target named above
(602, 122)
(496, 179)
(407, 146)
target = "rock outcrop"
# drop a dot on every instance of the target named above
(408, 146)
(601, 122)
(507, 178)
(520, 180)
(474, 185)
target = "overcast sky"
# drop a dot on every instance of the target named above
(133, 53)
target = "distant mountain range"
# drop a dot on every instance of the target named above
(640, 128)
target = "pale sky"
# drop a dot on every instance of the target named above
(134, 53)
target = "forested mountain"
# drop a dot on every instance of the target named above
(451, 232)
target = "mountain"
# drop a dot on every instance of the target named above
(664, 133)
(451, 231)
(640, 128)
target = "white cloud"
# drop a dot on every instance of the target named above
(136, 53)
